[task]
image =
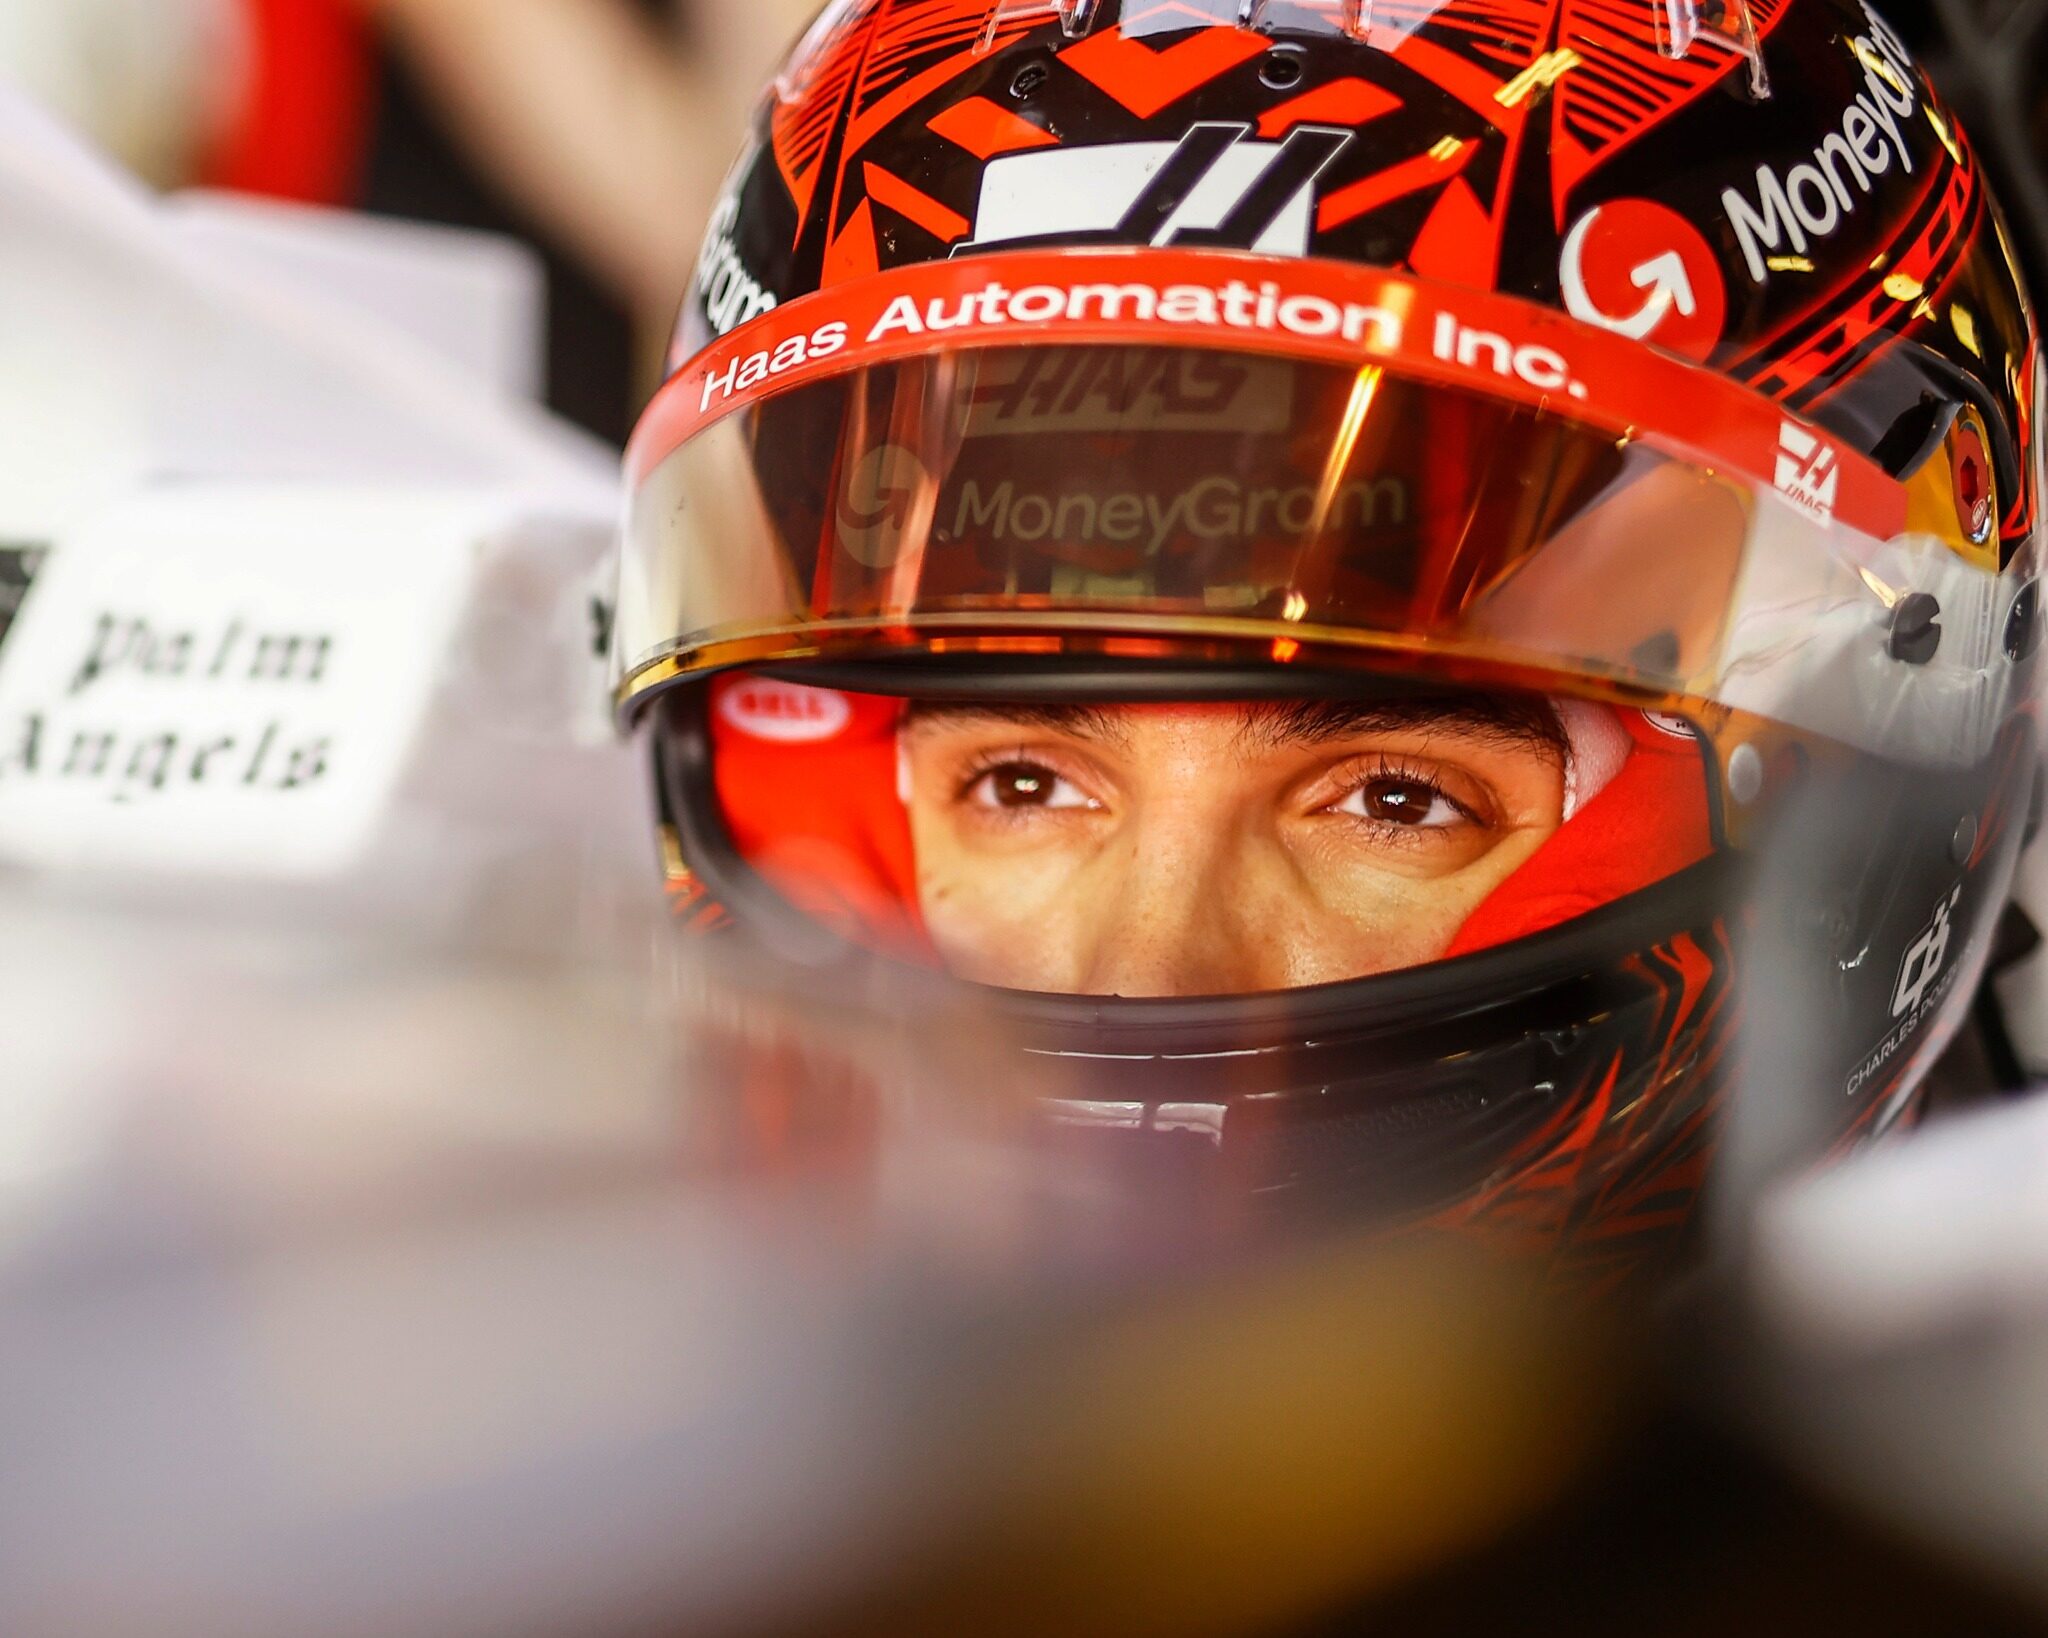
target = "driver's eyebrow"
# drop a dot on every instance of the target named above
(1081, 721)
(1501, 719)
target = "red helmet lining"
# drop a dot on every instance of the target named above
(806, 779)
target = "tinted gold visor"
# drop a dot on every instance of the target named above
(1040, 498)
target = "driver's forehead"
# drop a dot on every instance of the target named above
(1503, 721)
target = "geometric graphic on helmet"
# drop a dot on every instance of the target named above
(1923, 960)
(1213, 188)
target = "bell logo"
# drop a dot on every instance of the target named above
(785, 713)
(1807, 473)
(1924, 959)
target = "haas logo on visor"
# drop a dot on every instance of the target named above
(1806, 473)
(875, 506)
(1212, 188)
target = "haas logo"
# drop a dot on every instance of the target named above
(1212, 188)
(1924, 959)
(1806, 472)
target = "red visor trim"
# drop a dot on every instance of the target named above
(1319, 310)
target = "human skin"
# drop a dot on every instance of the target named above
(1209, 849)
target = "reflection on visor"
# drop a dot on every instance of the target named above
(1199, 848)
(1176, 480)
(1052, 494)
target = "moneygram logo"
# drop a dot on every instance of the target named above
(1796, 206)
(1210, 509)
(730, 294)
(874, 510)
(1643, 271)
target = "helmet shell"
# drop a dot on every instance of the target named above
(1780, 194)
(1769, 189)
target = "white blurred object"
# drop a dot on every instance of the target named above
(1915, 1239)
(1900, 1301)
(200, 448)
(150, 81)
(132, 351)
(474, 300)
(348, 1290)
(2022, 987)
(227, 678)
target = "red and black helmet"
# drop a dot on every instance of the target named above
(1239, 399)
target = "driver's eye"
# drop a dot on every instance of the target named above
(1026, 785)
(1411, 803)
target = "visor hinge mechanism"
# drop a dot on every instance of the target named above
(1916, 629)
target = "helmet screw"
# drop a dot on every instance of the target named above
(1916, 629)
(1282, 69)
(1745, 774)
(1028, 79)
(1964, 841)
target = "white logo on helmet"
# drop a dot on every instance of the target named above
(785, 713)
(1924, 959)
(730, 293)
(1642, 270)
(1215, 186)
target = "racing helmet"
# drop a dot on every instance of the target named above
(1356, 565)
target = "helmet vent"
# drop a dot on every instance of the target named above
(1284, 65)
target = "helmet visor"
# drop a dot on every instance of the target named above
(1143, 498)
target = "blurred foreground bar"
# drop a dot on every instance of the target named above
(346, 1288)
